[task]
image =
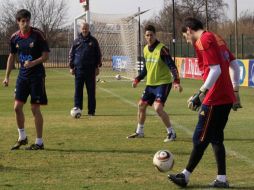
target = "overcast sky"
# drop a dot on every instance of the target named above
(126, 6)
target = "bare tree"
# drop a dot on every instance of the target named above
(48, 15)
(196, 8)
(245, 25)
(190, 8)
(7, 20)
(246, 22)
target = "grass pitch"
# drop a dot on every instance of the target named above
(93, 153)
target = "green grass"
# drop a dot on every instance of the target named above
(93, 153)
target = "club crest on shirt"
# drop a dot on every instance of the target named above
(90, 43)
(31, 45)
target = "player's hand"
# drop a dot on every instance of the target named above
(72, 71)
(135, 83)
(195, 101)
(6, 82)
(28, 64)
(237, 104)
(177, 87)
(97, 71)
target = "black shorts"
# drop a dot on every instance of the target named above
(156, 93)
(35, 87)
(211, 124)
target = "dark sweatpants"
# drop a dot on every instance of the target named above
(88, 78)
(210, 129)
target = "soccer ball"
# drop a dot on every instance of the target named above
(76, 112)
(118, 77)
(163, 160)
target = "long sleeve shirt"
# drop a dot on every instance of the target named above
(167, 59)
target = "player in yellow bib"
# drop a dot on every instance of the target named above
(158, 64)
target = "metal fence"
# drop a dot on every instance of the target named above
(4, 51)
(58, 57)
(245, 47)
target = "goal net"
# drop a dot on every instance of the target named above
(117, 35)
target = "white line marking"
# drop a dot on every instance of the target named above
(186, 130)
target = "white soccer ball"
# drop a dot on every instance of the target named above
(118, 77)
(76, 112)
(163, 160)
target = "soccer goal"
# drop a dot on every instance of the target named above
(118, 37)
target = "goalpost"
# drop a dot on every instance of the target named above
(118, 36)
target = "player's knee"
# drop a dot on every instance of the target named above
(18, 107)
(196, 141)
(158, 108)
(141, 106)
(35, 109)
(217, 144)
(200, 145)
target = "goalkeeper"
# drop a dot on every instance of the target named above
(158, 84)
(216, 97)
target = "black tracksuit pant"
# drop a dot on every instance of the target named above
(210, 129)
(85, 77)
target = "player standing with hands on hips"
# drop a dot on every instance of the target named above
(158, 64)
(32, 49)
(84, 62)
(214, 100)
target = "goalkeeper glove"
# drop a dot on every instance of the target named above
(196, 100)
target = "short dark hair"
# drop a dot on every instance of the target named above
(150, 27)
(23, 13)
(192, 23)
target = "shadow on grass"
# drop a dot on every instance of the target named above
(113, 151)
(7, 186)
(207, 187)
(128, 115)
(11, 169)
(240, 140)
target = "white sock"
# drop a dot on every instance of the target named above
(39, 141)
(186, 174)
(140, 129)
(170, 130)
(22, 134)
(222, 178)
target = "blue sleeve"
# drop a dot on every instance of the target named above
(98, 53)
(165, 56)
(43, 43)
(72, 55)
(13, 49)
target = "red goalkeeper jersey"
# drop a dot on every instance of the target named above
(212, 50)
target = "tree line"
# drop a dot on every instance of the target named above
(50, 16)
